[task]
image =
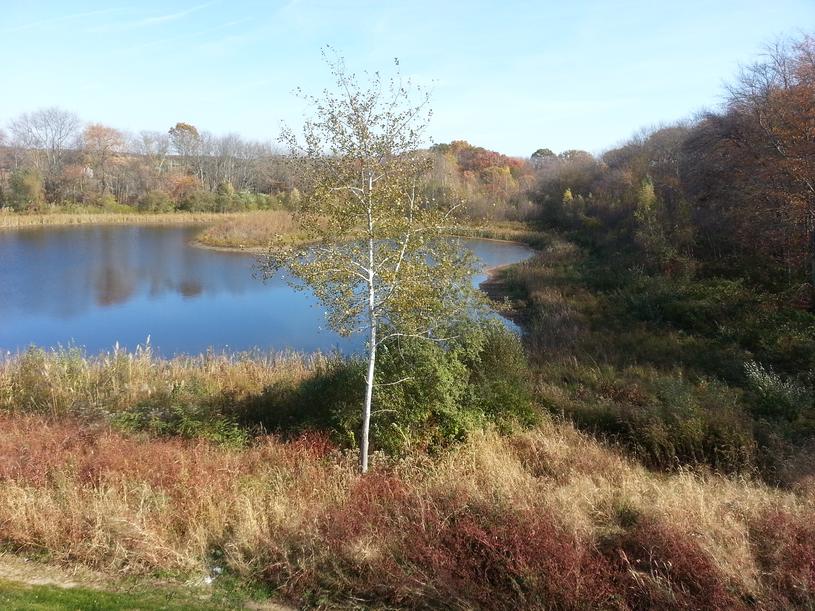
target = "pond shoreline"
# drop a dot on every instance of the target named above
(14, 221)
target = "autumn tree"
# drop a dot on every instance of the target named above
(378, 262)
(101, 144)
(542, 157)
(776, 99)
(749, 169)
(186, 141)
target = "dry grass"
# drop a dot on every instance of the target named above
(250, 230)
(539, 519)
(11, 220)
(69, 383)
(256, 230)
(511, 231)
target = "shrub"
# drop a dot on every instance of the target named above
(25, 190)
(443, 549)
(329, 399)
(428, 394)
(776, 397)
(199, 201)
(434, 393)
(660, 568)
(420, 398)
(182, 419)
(785, 549)
(663, 419)
(156, 201)
(187, 409)
(499, 383)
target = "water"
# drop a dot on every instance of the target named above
(95, 286)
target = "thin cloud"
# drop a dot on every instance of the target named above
(147, 22)
(57, 20)
(183, 37)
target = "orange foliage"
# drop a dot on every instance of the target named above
(181, 185)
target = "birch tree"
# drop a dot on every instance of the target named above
(375, 255)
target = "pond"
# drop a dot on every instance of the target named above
(94, 286)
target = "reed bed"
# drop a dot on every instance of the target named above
(67, 382)
(250, 230)
(11, 220)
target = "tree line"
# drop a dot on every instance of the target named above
(49, 157)
(732, 191)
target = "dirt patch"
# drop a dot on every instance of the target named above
(22, 570)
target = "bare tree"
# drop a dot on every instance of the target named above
(47, 134)
(153, 146)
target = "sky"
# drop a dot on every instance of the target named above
(512, 76)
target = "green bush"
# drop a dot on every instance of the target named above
(730, 322)
(499, 380)
(185, 412)
(664, 419)
(420, 396)
(330, 399)
(25, 190)
(428, 393)
(776, 397)
(199, 201)
(156, 201)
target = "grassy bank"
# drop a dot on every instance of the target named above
(250, 231)
(11, 220)
(254, 231)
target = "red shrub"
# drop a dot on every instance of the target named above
(316, 444)
(785, 549)
(443, 551)
(516, 559)
(660, 568)
(377, 504)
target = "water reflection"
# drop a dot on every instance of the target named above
(98, 285)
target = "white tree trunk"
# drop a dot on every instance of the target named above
(369, 379)
(369, 392)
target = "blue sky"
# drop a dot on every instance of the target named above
(512, 76)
